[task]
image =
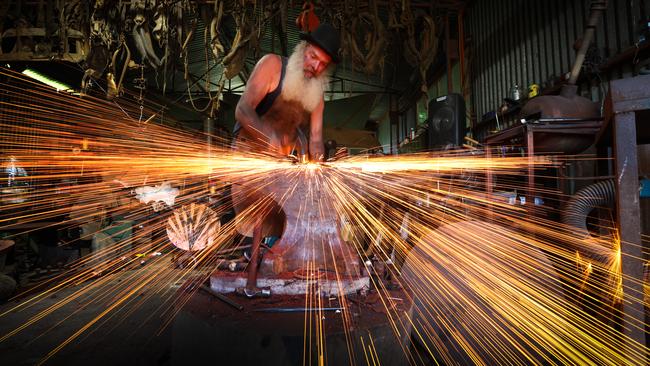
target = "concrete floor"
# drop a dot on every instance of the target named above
(204, 331)
(122, 340)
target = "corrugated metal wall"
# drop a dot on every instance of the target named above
(525, 41)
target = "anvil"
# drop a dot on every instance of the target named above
(296, 204)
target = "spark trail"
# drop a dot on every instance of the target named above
(492, 282)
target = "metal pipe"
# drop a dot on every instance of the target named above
(597, 7)
(295, 310)
(222, 297)
(569, 119)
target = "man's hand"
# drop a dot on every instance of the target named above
(316, 151)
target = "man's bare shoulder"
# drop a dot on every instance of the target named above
(270, 61)
(266, 73)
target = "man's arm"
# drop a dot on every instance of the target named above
(316, 147)
(266, 71)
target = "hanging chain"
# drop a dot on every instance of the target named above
(141, 84)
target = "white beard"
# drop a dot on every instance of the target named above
(308, 91)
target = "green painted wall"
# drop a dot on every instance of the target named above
(350, 112)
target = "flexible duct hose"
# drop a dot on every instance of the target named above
(582, 203)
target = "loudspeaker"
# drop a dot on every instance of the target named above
(446, 122)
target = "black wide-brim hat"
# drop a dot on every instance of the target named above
(327, 38)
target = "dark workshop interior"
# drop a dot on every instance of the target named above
(370, 182)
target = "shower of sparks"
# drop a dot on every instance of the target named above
(491, 282)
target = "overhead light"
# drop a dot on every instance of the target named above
(46, 80)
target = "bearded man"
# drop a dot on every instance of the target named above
(283, 98)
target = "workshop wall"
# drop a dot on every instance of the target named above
(525, 42)
(437, 88)
(350, 112)
(383, 133)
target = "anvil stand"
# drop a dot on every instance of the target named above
(310, 259)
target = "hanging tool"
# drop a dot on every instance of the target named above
(142, 39)
(215, 43)
(366, 58)
(115, 90)
(307, 21)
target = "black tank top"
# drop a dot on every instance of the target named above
(269, 98)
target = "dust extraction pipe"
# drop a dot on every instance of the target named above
(582, 203)
(597, 8)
